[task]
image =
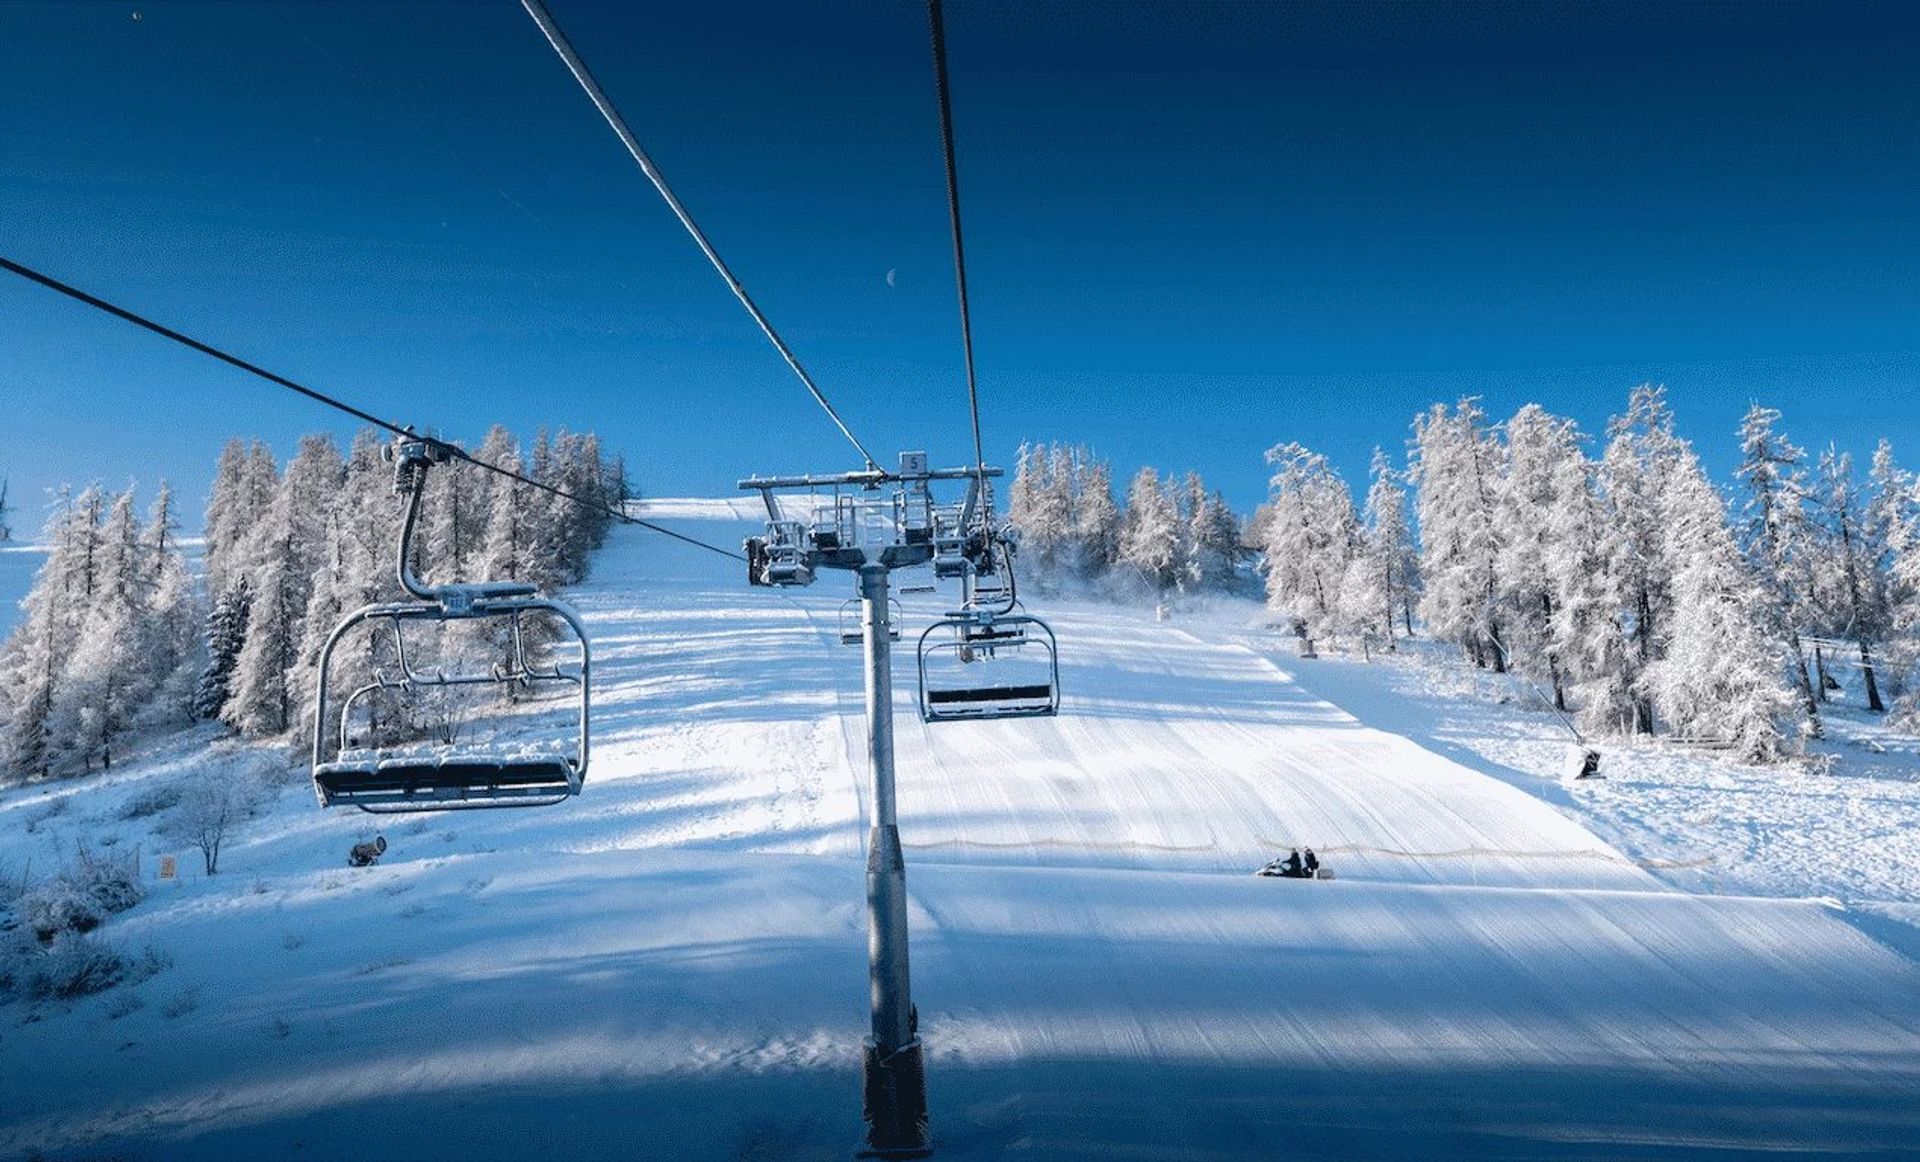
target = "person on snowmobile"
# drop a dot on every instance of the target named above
(1312, 864)
(1291, 868)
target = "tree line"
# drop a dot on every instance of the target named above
(1628, 586)
(119, 636)
(1173, 535)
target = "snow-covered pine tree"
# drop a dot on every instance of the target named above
(283, 558)
(33, 661)
(1392, 540)
(1096, 520)
(1720, 675)
(226, 633)
(108, 676)
(1376, 593)
(1209, 537)
(1586, 633)
(1777, 539)
(1850, 592)
(171, 641)
(1057, 499)
(1456, 467)
(1150, 532)
(82, 538)
(1642, 458)
(575, 529)
(1893, 524)
(1540, 446)
(1040, 505)
(225, 518)
(1309, 539)
(1363, 609)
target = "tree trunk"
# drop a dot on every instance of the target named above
(1807, 699)
(1873, 688)
(1820, 671)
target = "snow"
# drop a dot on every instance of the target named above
(673, 964)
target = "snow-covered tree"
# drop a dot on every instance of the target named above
(1040, 503)
(1893, 524)
(1720, 675)
(1777, 538)
(226, 633)
(1150, 532)
(244, 484)
(1457, 468)
(1377, 589)
(1542, 454)
(284, 555)
(1309, 544)
(1585, 631)
(1209, 537)
(1642, 460)
(1096, 520)
(1851, 593)
(108, 676)
(33, 658)
(171, 640)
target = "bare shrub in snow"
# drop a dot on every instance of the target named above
(76, 966)
(91, 887)
(152, 801)
(211, 804)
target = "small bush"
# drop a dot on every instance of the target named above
(75, 966)
(152, 801)
(112, 880)
(87, 890)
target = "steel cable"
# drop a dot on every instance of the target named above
(320, 397)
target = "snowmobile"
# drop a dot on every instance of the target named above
(1294, 867)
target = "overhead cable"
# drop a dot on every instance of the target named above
(452, 450)
(602, 102)
(953, 211)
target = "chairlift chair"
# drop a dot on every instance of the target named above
(852, 632)
(964, 640)
(392, 780)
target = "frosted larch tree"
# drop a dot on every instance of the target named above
(1456, 469)
(1720, 675)
(1777, 539)
(1150, 532)
(1309, 539)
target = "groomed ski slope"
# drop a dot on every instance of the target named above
(673, 966)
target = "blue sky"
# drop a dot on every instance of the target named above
(1194, 231)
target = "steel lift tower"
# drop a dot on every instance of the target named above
(870, 523)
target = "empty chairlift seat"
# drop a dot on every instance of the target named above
(976, 667)
(427, 781)
(852, 632)
(375, 749)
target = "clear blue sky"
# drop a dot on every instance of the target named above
(1194, 232)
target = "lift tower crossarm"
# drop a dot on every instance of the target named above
(870, 478)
